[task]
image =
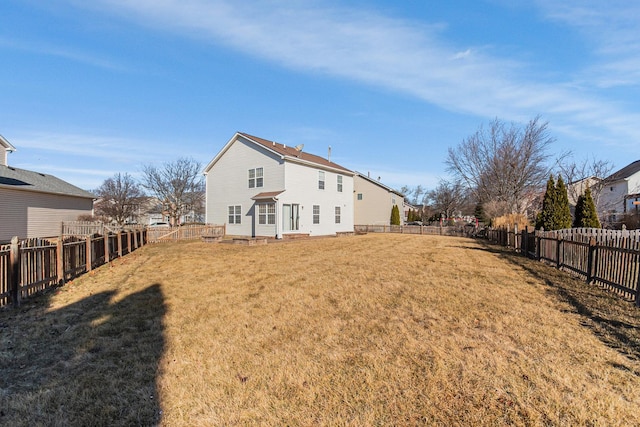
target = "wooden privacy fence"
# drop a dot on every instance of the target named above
(610, 258)
(185, 232)
(34, 265)
(84, 228)
(464, 231)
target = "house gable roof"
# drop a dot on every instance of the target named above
(284, 152)
(379, 184)
(25, 180)
(625, 172)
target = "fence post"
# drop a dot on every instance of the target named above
(120, 243)
(558, 249)
(60, 260)
(638, 291)
(128, 242)
(106, 247)
(87, 249)
(14, 271)
(590, 259)
(135, 239)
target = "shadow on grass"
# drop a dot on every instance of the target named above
(93, 362)
(614, 320)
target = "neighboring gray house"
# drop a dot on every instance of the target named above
(373, 201)
(33, 204)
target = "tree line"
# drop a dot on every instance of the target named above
(175, 189)
(501, 170)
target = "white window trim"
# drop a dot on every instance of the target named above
(256, 177)
(316, 216)
(266, 214)
(234, 214)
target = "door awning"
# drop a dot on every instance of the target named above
(267, 196)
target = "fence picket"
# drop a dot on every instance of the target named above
(34, 265)
(610, 258)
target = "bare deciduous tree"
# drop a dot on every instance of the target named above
(447, 198)
(504, 164)
(118, 198)
(587, 173)
(178, 185)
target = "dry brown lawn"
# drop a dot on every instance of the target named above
(370, 330)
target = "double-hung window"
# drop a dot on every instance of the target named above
(267, 214)
(339, 183)
(316, 214)
(320, 180)
(235, 214)
(256, 177)
(337, 214)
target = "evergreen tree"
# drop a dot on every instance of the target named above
(586, 212)
(562, 213)
(578, 219)
(395, 215)
(479, 213)
(545, 216)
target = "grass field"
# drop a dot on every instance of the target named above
(370, 330)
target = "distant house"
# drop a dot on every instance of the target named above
(33, 204)
(577, 188)
(151, 210)
(259, 187)
(373, 201)
(621, 189)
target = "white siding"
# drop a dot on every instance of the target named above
(29, 214)
(634, 183)
(228, 184)
(302, 188)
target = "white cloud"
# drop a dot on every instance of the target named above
(613, 29)
(46, 48)
(413, 58)
(99, 147)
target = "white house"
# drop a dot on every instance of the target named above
(34, 204)
(373, 201)
(621, 190)
(262, 188)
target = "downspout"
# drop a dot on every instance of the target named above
(278, 215)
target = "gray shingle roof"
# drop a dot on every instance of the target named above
(292, 152)
(625, 172)
(21, 179)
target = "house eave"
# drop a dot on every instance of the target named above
(318, 166)
(228, 145)
(34, 190)
(6, 144)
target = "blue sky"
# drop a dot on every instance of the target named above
(92, 88)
